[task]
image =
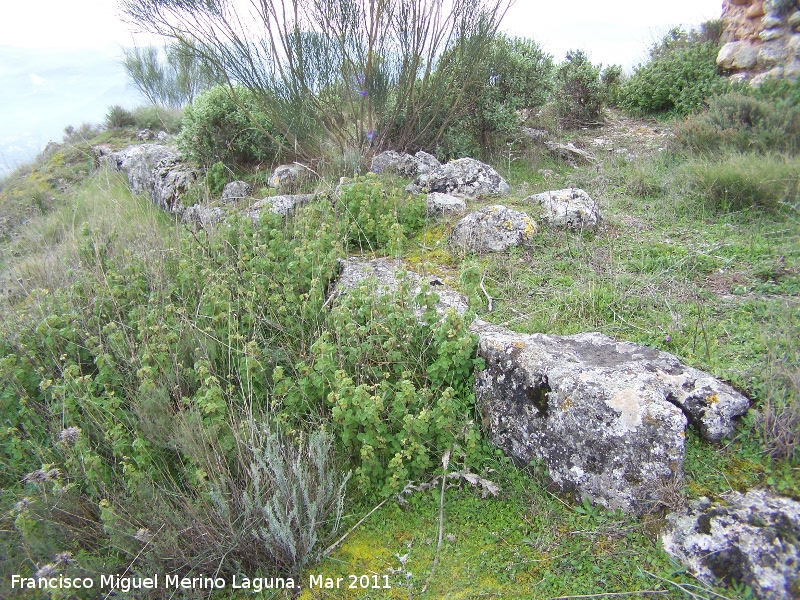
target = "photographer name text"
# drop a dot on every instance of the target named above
(176, 582)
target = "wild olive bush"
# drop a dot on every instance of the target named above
(228, 125)
(517, 75)
(579, 97)
(680, 75)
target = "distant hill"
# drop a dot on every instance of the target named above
(44, 90)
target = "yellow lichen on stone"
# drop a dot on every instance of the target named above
(530, 227)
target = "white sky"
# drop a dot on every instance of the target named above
(613, 31)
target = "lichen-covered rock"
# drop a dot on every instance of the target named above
(571, 208)
(494, 228)
(172, 178)
(354, 272)
(199, 217)
(236, 190)
(404, 164)
(753, 539)
(606, 417)
(466, 177)
(445, 204)
(569, 152)
(144, 135)
(288, 178)
(155, 170)
(282, 205)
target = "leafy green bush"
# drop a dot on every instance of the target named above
(117, 117)
(737, 181)
(680, 75)
(216, 178)
(399, 389)
(612, 79)
(376, 218)
(228, 126)
(579, 97)
(742, 122)
(517, 75)
(158, 118)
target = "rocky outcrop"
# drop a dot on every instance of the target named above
(492, 229)
(199, 217)
(281, 205)
(236, 190)
(606, 417)
(571, 208)
(753, 539)
(444, 204)
(156, 170)
(384, 271)
(404, 164)
(761, 39)
(569, 153)
(288, 178)
(465, 177)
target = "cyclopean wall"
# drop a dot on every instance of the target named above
(761, 39)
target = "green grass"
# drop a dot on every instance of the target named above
(671, 266)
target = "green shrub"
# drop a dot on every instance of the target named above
(612, 79)
(117, 117)
(680, 75)
(220, 126)
(375, 218)
(518, 75)
(739, 181)
(217, 178)
(742, 122)
(399, 389)
(158, 118)
(579, 96)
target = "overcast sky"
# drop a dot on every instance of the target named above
(59, 59)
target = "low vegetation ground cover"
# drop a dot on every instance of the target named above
(196, 403)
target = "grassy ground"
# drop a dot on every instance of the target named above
(666, 268)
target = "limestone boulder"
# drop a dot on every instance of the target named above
(571, 207)
(752, 538)
(737, 55)
(236, 190)
(288, 178)
(607, 418)
(494, 228)
(157, 171)
(404, 164)
(145, 135)
(281, 205)
(386, 274)
(570, 153)
(198, 217)
(465, 177)
(444, 204)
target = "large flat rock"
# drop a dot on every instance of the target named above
(753, 539)
(606, 417)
